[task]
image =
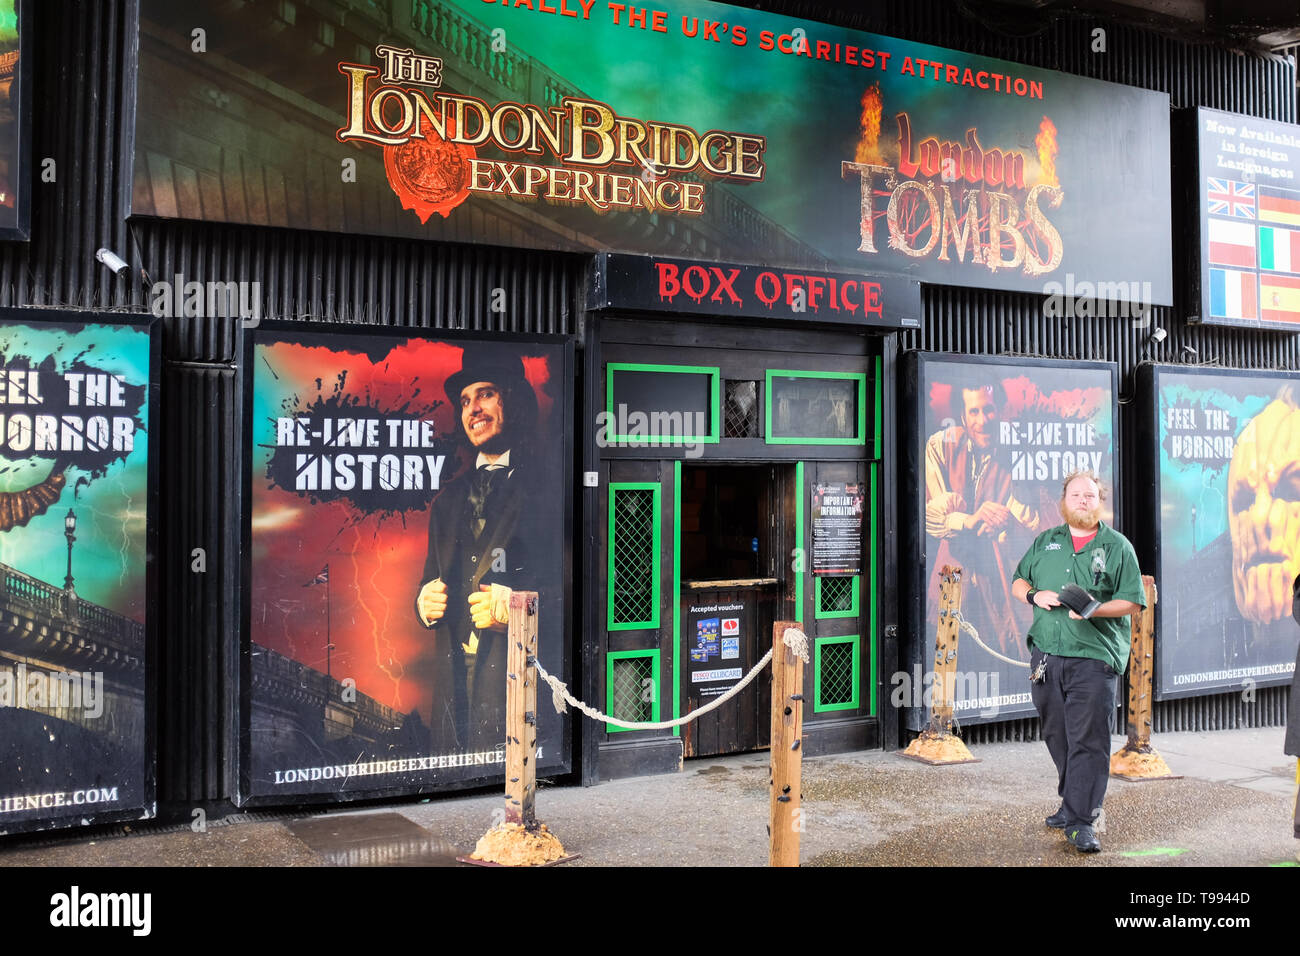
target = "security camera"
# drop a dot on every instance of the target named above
(115, 263)
(1158, 335)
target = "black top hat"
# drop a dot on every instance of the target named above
(507, 375)
(1078, 600)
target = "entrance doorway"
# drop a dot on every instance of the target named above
(727, 457)
(733, 536)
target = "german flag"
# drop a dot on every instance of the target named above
(1279, 299)
(1279, 205)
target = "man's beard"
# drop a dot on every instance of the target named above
(1082, 518)
(496, 445)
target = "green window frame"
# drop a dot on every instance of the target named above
(855, 587)
(715, 407)
(859, 439)
(615, 619)
(820, 644)
(612, 704)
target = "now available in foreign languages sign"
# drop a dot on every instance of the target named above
(663, 129)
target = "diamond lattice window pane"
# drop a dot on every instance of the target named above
(740, 419)
(628, 693)
(633, 584)
(836, 595)
(836, 673)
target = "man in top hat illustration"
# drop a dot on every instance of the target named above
(485, 529)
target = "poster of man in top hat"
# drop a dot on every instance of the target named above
(486, 533)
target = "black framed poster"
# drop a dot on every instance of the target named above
(1226, 542)
(394, 483)
(990, 441)
(78, 413)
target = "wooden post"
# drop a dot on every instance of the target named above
(784, 820)
(1137, 759)
(521, 710)
(936, 744)
(1142, 641)
(945, 650)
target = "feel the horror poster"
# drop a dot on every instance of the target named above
(77, 430)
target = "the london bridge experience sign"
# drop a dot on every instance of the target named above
(605, 126)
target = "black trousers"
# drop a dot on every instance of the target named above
(1076, 704)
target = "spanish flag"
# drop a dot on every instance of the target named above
(1279, 299)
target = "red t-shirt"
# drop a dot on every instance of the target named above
(1081, 541)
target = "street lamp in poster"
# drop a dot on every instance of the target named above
(76, 494)
(994, 442)
(1228, 535)
(396, 486)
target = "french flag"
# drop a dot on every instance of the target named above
(1233, 294)
(1232, 243)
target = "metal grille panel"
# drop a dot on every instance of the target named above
(836, 680)
(634, 558)
(630, 697)
(836, 595)
(740, 420)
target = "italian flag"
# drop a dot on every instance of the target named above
(1279, 249)
(1279, 298)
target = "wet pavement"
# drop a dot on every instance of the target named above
(1232, 807)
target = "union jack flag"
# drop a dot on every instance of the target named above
(321, 578)
(1228, 198)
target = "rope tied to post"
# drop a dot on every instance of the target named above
(969, 628)
(561, 698)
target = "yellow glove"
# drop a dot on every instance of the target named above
(489, 607)
(432, 602)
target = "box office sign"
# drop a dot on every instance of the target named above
(1248, 193)
(77, 427)
(787, 143)
(1227, 538)
(394, 486)
(990, 445)
(677, 286)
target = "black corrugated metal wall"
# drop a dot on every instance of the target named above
(83, 92)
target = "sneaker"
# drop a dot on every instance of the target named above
(1057, 820)
(1083, 838)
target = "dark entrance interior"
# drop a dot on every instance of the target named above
(733, 521)
(724, 521)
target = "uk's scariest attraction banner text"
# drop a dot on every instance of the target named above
(992, 444)
(76, 431)
(395, 485)
(1227, 540)
(687, 125)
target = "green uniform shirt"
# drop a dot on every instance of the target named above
(1051, 564)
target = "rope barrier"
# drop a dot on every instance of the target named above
(793, 638)
(969, 628)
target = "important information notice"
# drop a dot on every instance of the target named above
(837, 529)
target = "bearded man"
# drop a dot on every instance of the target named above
(1075, 657)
